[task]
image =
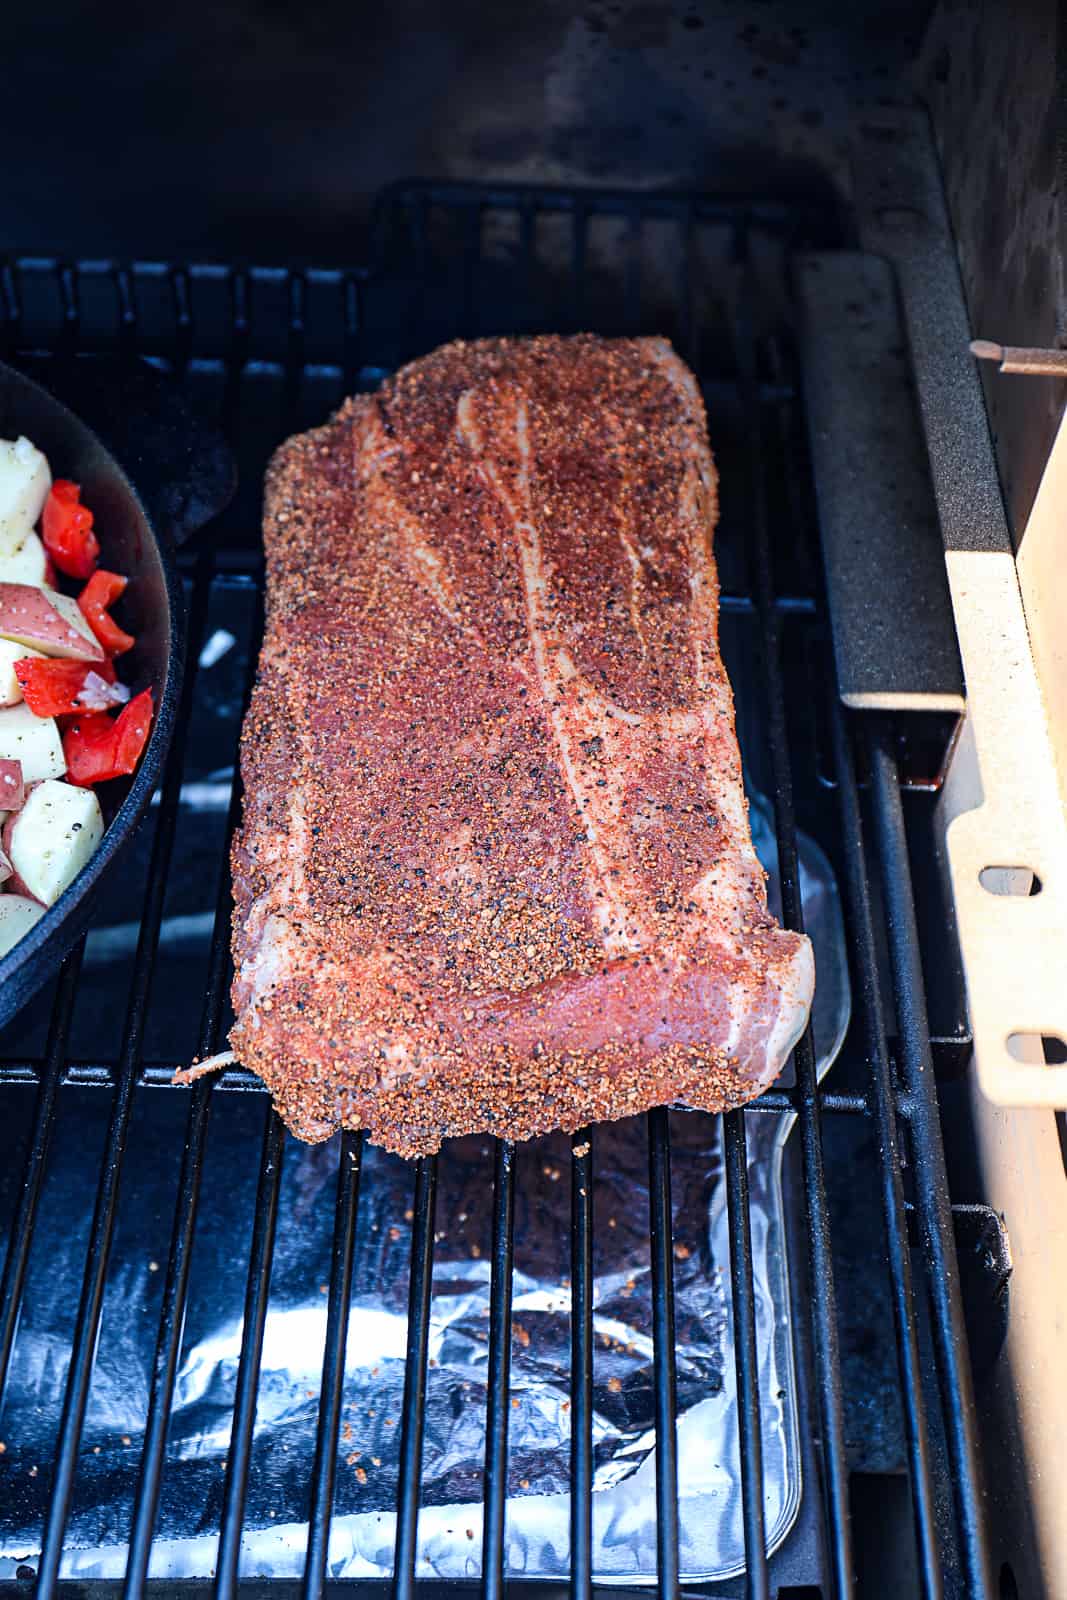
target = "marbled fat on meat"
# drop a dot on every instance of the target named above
(495, 871)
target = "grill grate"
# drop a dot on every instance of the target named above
(271, 351)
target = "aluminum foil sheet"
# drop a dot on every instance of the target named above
(364, 1525)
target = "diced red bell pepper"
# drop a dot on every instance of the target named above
(102, 590)
(132, 727)
(98, 746)
(89, 748)
(54, 688)
(50, 687)
(67, 530)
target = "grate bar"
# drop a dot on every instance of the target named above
(858, 897)
(257, 1295)
(757, 1581)
(931, 1182)
(175, 1289)
(22, 1224)
(87, 1327)
(352, 307)
(472, 242)
(414, 1413)
(333, 1366)
(160, 1075)
(766, 211)
(665, 1382)
(581, 1585)
(632, 272)
(687, 322)
(579, 240)
(823, 1300)
(498, 1404)
(165, 1365)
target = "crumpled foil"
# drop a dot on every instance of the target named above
(450, 1525)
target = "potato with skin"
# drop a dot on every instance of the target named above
(53, 837)
(24, 484)
(18, 914)
(12, 785)
(46, 621)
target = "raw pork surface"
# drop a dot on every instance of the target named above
(495, 871)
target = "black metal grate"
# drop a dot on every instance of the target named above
(270, 351)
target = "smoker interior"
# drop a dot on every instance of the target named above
(892, 1482)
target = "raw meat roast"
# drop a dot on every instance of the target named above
(495, 871)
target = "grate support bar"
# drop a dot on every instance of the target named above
(581, 1585)
(257, 1293)
(324, 1471)
(499, 1401)
(932, 1202)
(742, 1288)
(820, 1257)
(413, 1420)
(665, 1380)
(858, 895)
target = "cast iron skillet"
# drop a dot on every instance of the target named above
(176, 473)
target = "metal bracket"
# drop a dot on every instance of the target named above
(890, 610)
(1004, 828)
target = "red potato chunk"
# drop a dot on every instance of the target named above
(12, 787)
(46, 621)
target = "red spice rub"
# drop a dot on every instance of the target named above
(495, 871)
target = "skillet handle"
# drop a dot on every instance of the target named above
(180, 465)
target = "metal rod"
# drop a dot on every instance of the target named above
(472, 245)
(757, 1580)
(257, 1296)
(687, 317)
(414, 1414)
(858, 899)
(324, 1471)
(932, 1203)
(22, 1223)
(664, 1376)
(176, 1284)
(498, 1404)
(87, 1326)
(160, 1075)
(581, 1586)
(168, 1343)
(528, 256)
(1020, 359)
(632, 272)
(579, 240)
(823, 1299)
